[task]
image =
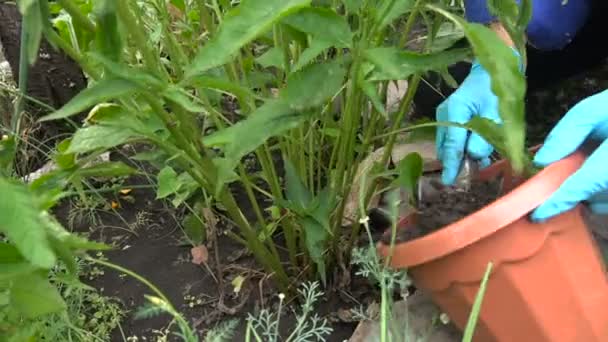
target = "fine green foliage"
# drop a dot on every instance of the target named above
(309, 326)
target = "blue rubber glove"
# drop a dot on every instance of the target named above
(587, 120)
(473, 97)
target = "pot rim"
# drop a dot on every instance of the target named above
(512, 206)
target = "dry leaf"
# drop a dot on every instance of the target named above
(126, 191)
(200, 254)
(115, 205)
(425, 148)
(174, 12)
(211, 222)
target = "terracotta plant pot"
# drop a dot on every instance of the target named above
(548, 282)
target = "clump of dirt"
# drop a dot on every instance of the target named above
(448, 205)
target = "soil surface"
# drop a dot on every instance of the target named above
(147, 238)
(447, 206)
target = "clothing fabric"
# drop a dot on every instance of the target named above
(553, 25)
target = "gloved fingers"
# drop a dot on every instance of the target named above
(588, 181)
(441, 114)
(453, 153)
(572, 130)
(478, 148)
(484, 162)
(598, 203)
(452, 141)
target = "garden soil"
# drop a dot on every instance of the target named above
(447, 206)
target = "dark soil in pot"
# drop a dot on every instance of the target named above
(445, 206)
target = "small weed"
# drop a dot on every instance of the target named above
(142, 220)
(85, 211)
(222, 332)
(309, 326)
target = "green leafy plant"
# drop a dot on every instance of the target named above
(306, 82)
(34, 244)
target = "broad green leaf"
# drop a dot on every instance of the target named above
(316, 239)
(310, 87)
(295, 190)
(107, 170)
(240, 26)
(514, 18)
(391, 10)
(137, 75)
(62, 157)
(508, 83)
(143, 122)
(322, 23)
(48, 188)
(9, 254)
(21, 224)
(224, 85)
(70, 240)
(371, 89)
(33, 296)
(194, 229)
(490, 131)
(352, 6)
(32, 24)
(322, 207)
(12, 263)
(179, 96)
(410, 169)
(26, 5)
(447, 35)
(95, 137)
(168, 183)
(102, 91)
(317, 46)
(272, 119)
(271, 58)
(187, 187)
(8, 149)
(107, 35)
(9, 271)
(180, 4)
(394, 64)
(313, 85)
(65, 256)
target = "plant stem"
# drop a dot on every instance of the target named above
(132, 274)
(55, 39)
(135, 28)
(23, 75)
(409, 24)
(77, 15)
(206, 19)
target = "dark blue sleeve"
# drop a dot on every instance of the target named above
(553, 23)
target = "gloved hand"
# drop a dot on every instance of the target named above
(587, 120)
(473, 97)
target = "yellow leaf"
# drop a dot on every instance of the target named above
(237, 282)
(115, 205)
(126, 191)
